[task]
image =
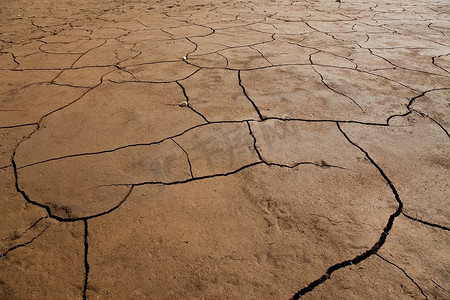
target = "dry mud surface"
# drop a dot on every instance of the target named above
(225, 149)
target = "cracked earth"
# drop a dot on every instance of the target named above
(225, 150)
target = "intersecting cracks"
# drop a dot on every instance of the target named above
(433, 61)
(331, 53)
(376, 26)
(255, 147)
(347, 68)
(295, 64)
(415, 219)
(262, 55)
(87, 53)
(13, 57)
(189, 179)
(404, 272)
(63, 43)
(374, 250)
(273, 25)
(171, 37)
(327, 33)
(26, 230)
(249, 99)
(228, 48)
(121, 147)
(68, 104)
(331, 269)
(400, 67)
(265, 32)
(150, 81)
(197, 126)
(48, 209)
(410, 110)
(188, 104)
(436, 122)
(372, 53)
(23, 244)
(72, 65)
(41, 28)
(194, 178)
(132, 49)
(23, 193)
(337, 92)
(20, 125)
(389, 79)
(126, 71)
(23, 87)
(237, 26)
(60, 219)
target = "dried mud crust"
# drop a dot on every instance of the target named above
(225, 150)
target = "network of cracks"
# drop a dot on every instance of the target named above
(234, 149)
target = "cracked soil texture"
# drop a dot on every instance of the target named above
(275, 149)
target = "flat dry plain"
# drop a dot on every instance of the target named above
(225, 149)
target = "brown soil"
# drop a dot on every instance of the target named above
(224, 149)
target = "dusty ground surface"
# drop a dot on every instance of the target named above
(310, 158)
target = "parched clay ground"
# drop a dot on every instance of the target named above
(225, 149)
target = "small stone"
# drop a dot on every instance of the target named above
(183, 104)
(184, 57)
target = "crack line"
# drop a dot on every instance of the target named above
(404, 272)
(375, 247)
(411, 102)
(29, 228)
(246, 95)
(337, 92)
(58, 218)
(322, 165)
(24, 244)
(188, 104)
(194, 127)
(86, 263)
(426, 222)
(187, 156)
